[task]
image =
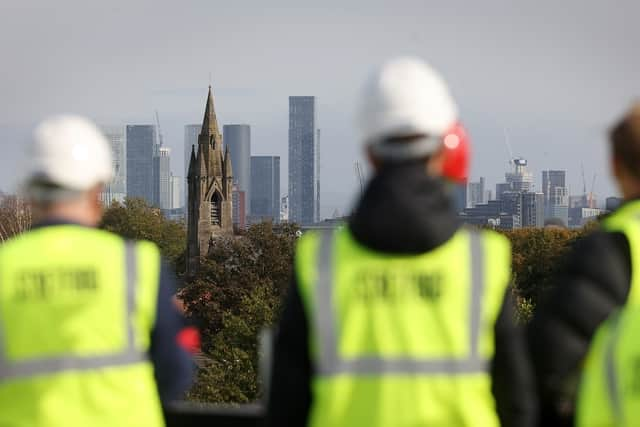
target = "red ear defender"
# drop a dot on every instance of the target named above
(456, 154)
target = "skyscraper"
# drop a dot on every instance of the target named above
(520, 179)
(238, 139)
(175, 184)
(191, 133)
(556, 195)
(304, 183)
(141, 149)
(117, 188)
(265, 188)
(476, 193)
(532, 209)
(162, 184)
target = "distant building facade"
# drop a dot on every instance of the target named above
(141, 149)
(175, 194)
(162, 176)
(117, 188)
(210, 182)
(613, 203)
(284, 208)
(304, 181)
(239, 198)
(476, 193)
(265, 188)
(520, 179)
(237, 137)
(532, 211)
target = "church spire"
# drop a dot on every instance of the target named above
(192, 162)
(210, 123)
(228, 172)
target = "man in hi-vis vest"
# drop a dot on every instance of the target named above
(402, 317)
(89, 334)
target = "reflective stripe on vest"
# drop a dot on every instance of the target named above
(330, 363)
(610, 368)
(130, 355)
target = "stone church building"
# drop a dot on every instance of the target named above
(209, 187)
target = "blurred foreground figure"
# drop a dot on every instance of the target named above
(402, 317)
(86, 318)
(609, 392)
(600, 276)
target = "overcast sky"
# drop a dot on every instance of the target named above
(551, 75)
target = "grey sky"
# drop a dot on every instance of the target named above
(553, 74)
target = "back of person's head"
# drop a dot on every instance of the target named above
(68, 158)
(407, 114)
(625, 147)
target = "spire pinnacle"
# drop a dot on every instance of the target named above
(209, 122)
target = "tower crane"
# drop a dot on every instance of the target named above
(591, 198)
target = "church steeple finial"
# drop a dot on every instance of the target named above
(209, 122)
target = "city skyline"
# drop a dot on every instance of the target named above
(548, 78)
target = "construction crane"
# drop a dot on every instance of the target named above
(160, 141)
(591, 198)
(584, 186)
(359, 176)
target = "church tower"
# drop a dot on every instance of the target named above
(209, 182)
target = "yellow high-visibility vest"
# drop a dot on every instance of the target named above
(77, 306)
(402, 340)
(609, 392)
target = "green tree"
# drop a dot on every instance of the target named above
(236, 293)
(538, 255)
(135, 219)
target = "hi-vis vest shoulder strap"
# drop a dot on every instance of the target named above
(18, 369)
(330, 363)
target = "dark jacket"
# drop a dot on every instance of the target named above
(593, 282)
(403, 211)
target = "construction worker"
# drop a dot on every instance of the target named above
(402, 317)
(599, 276)
(89, 334)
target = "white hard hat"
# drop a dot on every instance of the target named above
(405, 97)
(68, 152)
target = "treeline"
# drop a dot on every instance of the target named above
(241, 285)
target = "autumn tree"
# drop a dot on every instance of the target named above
(136, 219)
(237, 292)
(15, 216)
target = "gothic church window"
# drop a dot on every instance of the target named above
(216, 209)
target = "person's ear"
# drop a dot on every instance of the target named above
(373, 160)
(435, 163)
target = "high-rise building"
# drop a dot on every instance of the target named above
(556, 194)
(557, 205)
(265, 188)
(141, 149)
(520, 179)
(475, 193)
(612, 203)
(239, 213)
(532, 209)
(117, 188)
(161, 177)
(459, 196)
(191, 133)
(175, 195)
(284, 208)
(210, 181)
(501, 188)
(304, 182)
(238, 139)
